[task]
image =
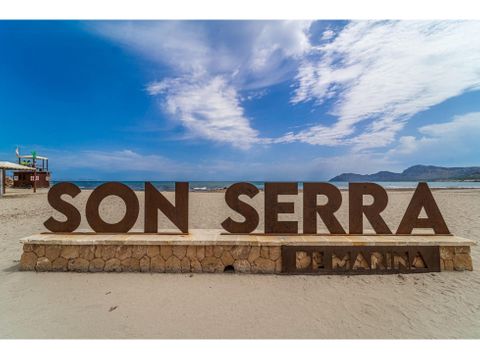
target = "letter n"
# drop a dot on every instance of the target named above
(178, 213)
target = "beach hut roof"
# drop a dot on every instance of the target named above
(31, 157)
(7, 165)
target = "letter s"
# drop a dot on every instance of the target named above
(67, 209)
(250, 214)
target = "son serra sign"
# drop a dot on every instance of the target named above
(177, 212)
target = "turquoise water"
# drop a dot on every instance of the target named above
(218, 185)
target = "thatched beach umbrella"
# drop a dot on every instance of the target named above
(6, 165)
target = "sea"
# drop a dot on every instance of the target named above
(221, 185)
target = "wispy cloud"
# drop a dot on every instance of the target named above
(383, 73)
(377, 74)
(454, 141)
(207, 109)
(211, 65)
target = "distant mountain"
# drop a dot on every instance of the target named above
(417, 173)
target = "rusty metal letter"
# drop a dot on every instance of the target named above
(100, 193)
(372, 212)
(178, 213)
(326, 212)
(67, 209)
(422, 197)
(273, 208)
(248, 212)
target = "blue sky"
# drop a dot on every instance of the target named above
(239, 100)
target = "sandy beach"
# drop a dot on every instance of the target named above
(137, 305)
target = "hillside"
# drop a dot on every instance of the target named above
(417, 173)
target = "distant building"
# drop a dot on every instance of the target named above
(30, 178)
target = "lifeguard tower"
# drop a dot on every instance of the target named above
(39, 177)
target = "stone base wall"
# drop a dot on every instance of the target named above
(152, 258)
(455, 258)
(179, 258)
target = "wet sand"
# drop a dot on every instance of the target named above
(71, 305)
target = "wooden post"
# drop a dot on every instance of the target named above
(2, 182)
(34, 177)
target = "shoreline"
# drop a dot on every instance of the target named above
(10, 190)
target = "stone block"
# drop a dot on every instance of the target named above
(240, 252)
(253, 254)
(27, 247)
(70, 252)
(39, 250)
(86, 252)
(191, 252)
(278, 266)
(195, 266)
(264, 252)
(275, 252)
(52, 252)
(302, 260)
(462, 250)
(60, 264)
(179, 251)
(212, 264)
(447, 252)
(157, 264)
(185, 265)
(153, 251)
(208, 251)
(242, 266)
(145, 264)
(107, 251)
(263, 266)
(166, 251)
(448, 264)
(218, 251)
(28, 261)
(131, 265)
(99, 250)
(173, 265)
(139, 251)
(200, 253)
(227, 258)
(96, 265)
(43, 264)
(78, 264)
(123, 252)
(113, 265)
(462, 262)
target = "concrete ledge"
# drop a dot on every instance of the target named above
(216, 237)
(212, 251)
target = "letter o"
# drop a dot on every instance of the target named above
(100, 193)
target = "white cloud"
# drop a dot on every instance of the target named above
(386, 72)
(376, 74)
(111, 161)
(207, 109)
(129, 165)
(211, 65)
(452, 142)
(328, 34)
